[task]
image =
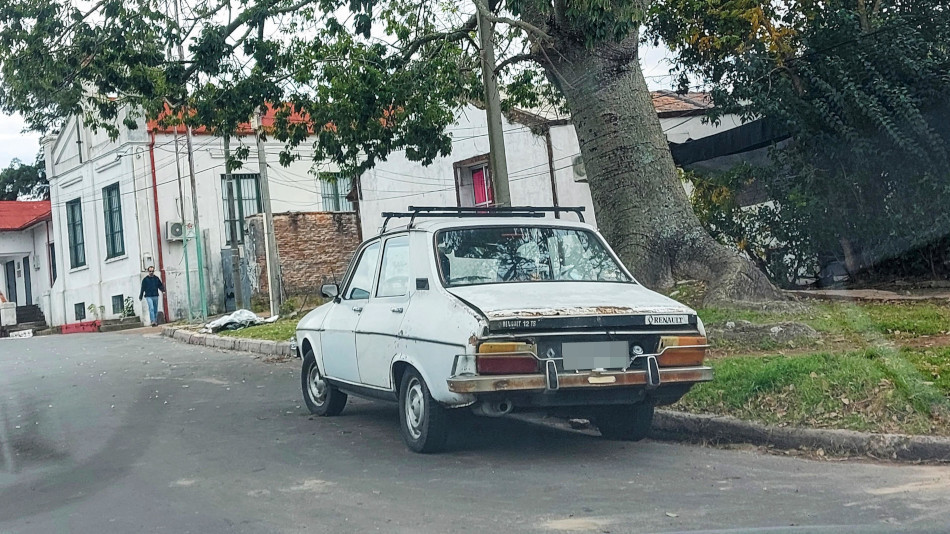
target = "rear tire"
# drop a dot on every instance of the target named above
(423, 422)
(321, 398)
(627, 423)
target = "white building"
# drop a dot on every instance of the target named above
(115, 205)
(25, 248)
(543, 156)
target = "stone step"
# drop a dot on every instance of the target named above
(26, 326)
(116, 327)
(35, 325)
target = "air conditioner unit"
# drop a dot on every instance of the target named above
(580, 172)
(174, 230)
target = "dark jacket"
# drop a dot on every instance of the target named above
(151, 286)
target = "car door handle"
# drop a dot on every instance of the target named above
(396, 310)
(357, 309)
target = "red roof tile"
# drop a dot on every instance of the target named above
(20, 215)
(267, 120)
(670, 104)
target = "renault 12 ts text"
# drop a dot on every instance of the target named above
(495, 310)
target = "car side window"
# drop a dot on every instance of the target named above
(361, 284)
(394, 270)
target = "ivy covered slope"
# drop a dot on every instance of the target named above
(861, 87)
(371, 77)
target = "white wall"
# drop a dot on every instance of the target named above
(681, 129)
(397, 183)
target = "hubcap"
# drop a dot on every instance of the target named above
(415, 408)
(316, 387)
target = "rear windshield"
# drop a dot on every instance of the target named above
(495, 255)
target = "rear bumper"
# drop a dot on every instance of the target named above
(589, 379)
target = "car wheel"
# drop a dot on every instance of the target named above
(627, 423)
(423, 422)
(321, 398)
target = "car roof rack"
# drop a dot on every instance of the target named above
(477, 211)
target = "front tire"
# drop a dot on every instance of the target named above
(423, 422)
(628, 423)
(321, 398)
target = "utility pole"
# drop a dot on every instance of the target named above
(184, 228)
(194, 187)
(198, 238)
(270, 240)
(232, 215)
(496, 136)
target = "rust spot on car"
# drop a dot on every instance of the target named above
(473, 341)
(581, 311)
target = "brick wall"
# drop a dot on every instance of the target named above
(313, 247)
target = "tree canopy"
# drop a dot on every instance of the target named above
(21, 180)
(862, 87)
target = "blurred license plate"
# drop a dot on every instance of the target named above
(595, 355)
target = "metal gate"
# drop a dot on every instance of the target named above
(229, 297)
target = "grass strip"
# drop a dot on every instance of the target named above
(280, 330)
(876, 390)
(891, 320)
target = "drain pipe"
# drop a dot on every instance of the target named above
(158, 224)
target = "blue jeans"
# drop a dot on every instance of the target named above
(152, 308)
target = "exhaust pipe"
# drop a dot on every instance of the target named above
(493, 408)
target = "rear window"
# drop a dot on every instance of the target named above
(496, 255)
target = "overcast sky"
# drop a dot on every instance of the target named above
(14, 143)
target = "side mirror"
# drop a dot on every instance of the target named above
(330, 291)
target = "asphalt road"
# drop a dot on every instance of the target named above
(130, 433)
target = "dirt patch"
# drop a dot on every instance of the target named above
(926, 342)
(747, 334)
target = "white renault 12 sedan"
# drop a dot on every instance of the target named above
(495, 310)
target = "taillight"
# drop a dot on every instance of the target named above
(681, 351)
(506, 358)
(505, 364)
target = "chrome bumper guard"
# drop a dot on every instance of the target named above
(651, 377)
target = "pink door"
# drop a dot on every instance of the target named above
(483, 191)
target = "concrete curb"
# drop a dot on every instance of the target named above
(267, 348)
(679, 426)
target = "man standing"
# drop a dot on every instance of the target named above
(151, 285)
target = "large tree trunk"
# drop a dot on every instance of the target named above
(641, 206)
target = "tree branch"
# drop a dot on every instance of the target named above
(459, 33)
(518, 58)
(527, 27)
(295, 7)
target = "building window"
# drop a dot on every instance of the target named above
(333, 190)
(247, 197)
(52, 261)
(112, 204)
(77, 245)
(80, 309)
(473, 183)
(118, 304)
